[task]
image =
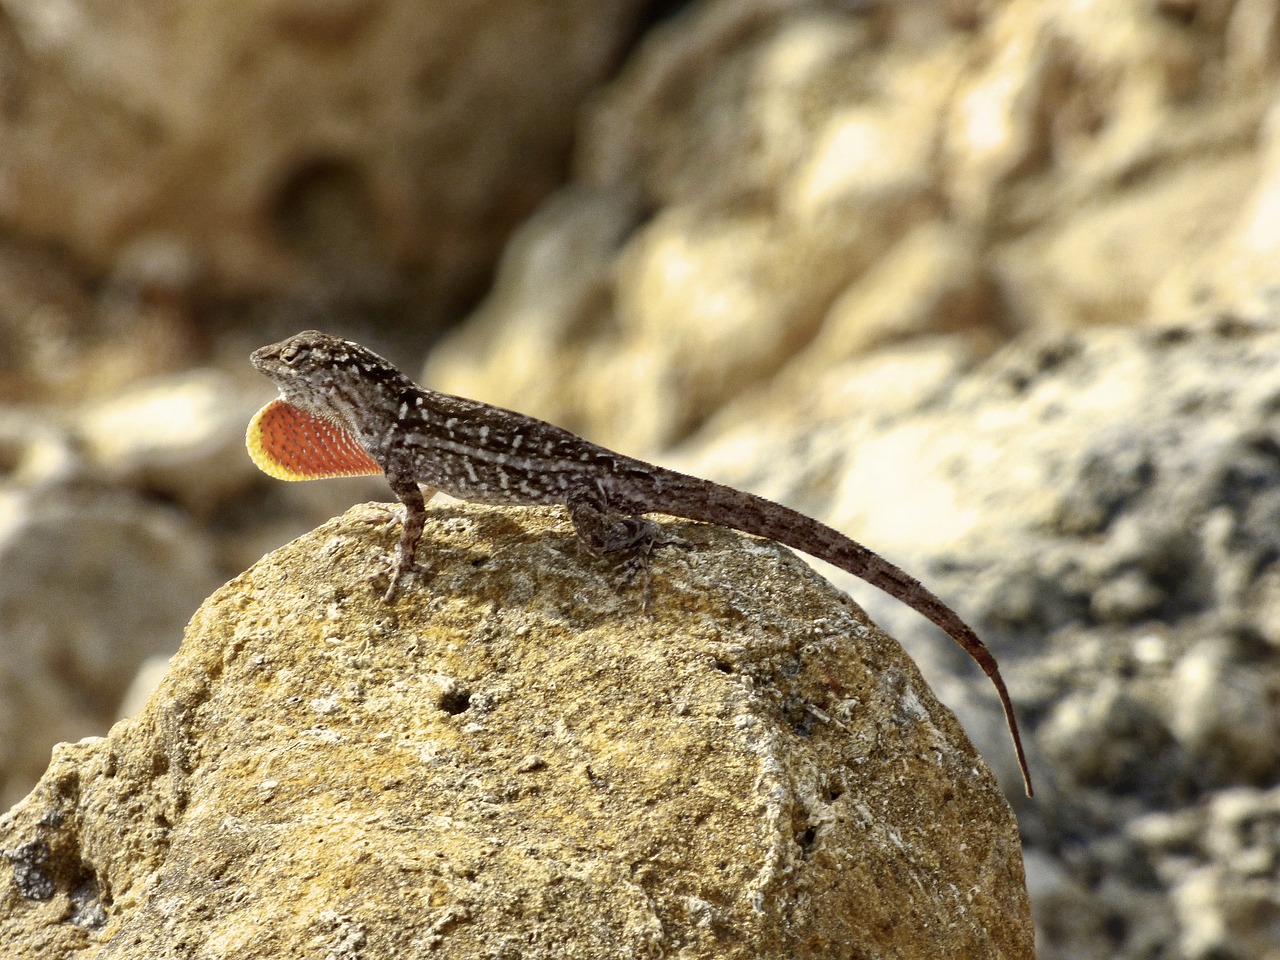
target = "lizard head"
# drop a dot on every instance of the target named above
(328, 376)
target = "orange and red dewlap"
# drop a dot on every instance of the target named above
(290, 444)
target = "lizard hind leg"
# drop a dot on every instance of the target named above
(606, 532)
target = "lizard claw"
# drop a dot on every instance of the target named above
(637, 565)
(394, 586)
(399, 572)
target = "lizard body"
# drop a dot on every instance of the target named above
(344, 410)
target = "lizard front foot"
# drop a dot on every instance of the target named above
(399, 573)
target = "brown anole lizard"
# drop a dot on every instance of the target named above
(345, 411)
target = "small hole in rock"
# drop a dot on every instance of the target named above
(806, 837)
(455, 701)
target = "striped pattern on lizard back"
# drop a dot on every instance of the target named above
(475, 451)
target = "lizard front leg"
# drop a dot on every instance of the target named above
(415, 500)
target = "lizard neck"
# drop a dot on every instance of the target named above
(371, 408)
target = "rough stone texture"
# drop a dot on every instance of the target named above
(1239, 276)
(67, 338)
(288, 145)
(1102, 506)
(115, 522)
(513, 761)
(770, 174)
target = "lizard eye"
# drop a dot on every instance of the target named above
(292, 355)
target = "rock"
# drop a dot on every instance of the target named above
(932, 282)
(512, 760)
(1221, 860)
(1105, 509)
(759, 223)
(42, 310)
(66, 342)
(116, 520)
(37, 453)
(290, 147)
(1106, 263)
(1221, 710)
(1237, 276)
(554, 274)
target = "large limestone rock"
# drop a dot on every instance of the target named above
(513, 760)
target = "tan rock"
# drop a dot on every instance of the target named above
(67, 339)
(539, 325)
(1108, 262)
(42, 311)
(513, 760)
(933, 281)
(1239, 275)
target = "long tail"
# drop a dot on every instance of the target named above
(702, 500)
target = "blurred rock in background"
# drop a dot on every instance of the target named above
(806, 181)
(989, 286)
(342, 149)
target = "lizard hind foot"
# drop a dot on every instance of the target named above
(606, 532)
(633, 567)
(637, 557)
(634, 539)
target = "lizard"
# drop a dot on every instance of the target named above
(345, 411)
